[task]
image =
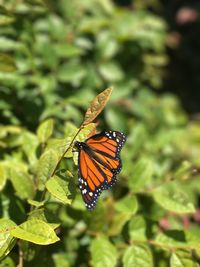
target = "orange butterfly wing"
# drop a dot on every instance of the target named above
(99, 163)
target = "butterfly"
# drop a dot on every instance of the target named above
(98, 164)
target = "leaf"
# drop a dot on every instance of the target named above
(22, 183)
(3, 176)
(138, 256)
(72, 72)
(141, 174)
(182, 258)
(82, 136)
(97, 105)
(60, 260)
(45, 130)
(85, 132)
(29, 146)
(59, 146)
(127, 205)
(7, 63)
(7, 262)
(46, 165)
(184, 170)
(103, 253)
(60, 189)
(35, 231)
(37, 214)
(67, 50)
(111, 72)
(137, 228)
(173, 199)
(172, 239)
(36, 203)
(6, 240)
(5, 16)
(118, 223)
(65, 144)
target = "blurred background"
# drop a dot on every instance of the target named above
(55, 57)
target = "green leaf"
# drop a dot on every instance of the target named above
(46, 165)
(71, 72)
(59, 146)
(61, 260)
(3, 176)
(29, 146)
(103, 253)
(5, 16)
(172, 239)
(182, 258)
(172, 199)
(118, 223)
(22, 183)
(141, 174)
(60, 189)
(37, 214)
(86, 131)
(36, 203)
(67, 50)
(127, 204)
(7, 63)
(7, 262)
(111, 71)
(35, 231)
(137, 228)
(6, 240)
(138, 256)
(45, 130)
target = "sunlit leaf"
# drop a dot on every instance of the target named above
(35, 231)
(182, 258)
(137, 228)
(6, 241)
(60, 189)
(46, 165)
(142, 172)
(172, 239)
(103, 253)
(173, 200)
(138, 256)
(45, 130)
(3, 176)
(127, 204)
(36, 203)
(22, 183)
(29, 146)
(97, 105)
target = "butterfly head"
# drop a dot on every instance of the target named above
(79, 145)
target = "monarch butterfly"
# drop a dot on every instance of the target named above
(98, 164)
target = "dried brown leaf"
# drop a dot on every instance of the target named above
(97, 105)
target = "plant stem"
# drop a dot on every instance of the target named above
(20, 263)
(60, 159)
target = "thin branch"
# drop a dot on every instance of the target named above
(61, 158)
(20, 263)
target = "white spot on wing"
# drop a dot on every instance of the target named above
(84, 191)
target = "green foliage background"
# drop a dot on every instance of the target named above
(55, 57)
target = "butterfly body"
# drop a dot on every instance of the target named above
(99, 162)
